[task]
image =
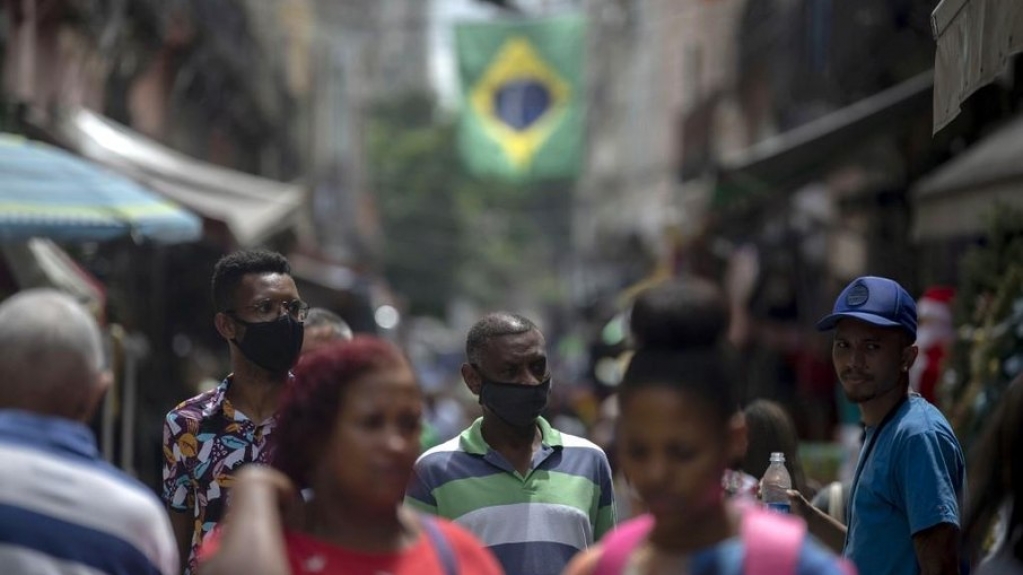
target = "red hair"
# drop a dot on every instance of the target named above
(312, 402)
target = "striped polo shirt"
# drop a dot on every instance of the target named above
(534, 523)
(63, 510)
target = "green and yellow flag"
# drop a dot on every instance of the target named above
(522, 99)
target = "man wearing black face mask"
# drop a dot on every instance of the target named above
(533, 495)
(208, 437)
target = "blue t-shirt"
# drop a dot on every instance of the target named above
(912, 480)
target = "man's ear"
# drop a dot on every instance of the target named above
(909, 357)
(94, 396)
(225, 327)
(471, 377)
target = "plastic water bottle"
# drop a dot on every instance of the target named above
(775, 483)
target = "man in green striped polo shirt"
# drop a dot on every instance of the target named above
(533, 495)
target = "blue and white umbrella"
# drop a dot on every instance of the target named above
(48, 192)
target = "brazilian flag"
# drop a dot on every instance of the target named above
(522, 99)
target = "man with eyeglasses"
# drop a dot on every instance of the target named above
(208, 437)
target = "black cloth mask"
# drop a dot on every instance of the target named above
(516, 404)
(272, 345)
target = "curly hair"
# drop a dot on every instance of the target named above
(312, 402)
(230, 269)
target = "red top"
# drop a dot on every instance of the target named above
(310, 556)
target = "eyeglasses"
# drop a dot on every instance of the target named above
(269, 310)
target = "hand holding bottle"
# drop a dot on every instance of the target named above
(775, 485)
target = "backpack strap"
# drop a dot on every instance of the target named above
(619, 544)
(440, 545)
(772, 541)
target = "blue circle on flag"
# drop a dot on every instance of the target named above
(520, 103)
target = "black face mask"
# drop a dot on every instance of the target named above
(272, 345)
(516, 404)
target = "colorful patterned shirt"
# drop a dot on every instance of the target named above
(205, 440)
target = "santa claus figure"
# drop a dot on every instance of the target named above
(934, 335)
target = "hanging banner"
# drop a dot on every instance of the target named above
(522, 97)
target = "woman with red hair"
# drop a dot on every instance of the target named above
(347, 437)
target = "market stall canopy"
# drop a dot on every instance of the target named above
(954, 200)
(976, 40)
(252, 207)
(786, 161)
(48, 192)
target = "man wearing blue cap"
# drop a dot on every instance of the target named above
(906, 495)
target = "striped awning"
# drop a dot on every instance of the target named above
(48, 192)
(253, 208)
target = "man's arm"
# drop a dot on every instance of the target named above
(937, 549)
(418, 495)
(183, 526)
(174, 493)
(930, 475)
(820, 524)
(607, 513)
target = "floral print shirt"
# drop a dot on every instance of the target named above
(205, 440)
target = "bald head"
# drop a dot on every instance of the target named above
(51, 355)
(494, 325)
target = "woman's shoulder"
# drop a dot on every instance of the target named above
(779, 539)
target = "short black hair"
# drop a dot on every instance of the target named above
(230, 269)
(493, 325)
(680, 313)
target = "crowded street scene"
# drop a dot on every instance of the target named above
(511, 287)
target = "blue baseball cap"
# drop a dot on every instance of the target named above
(878, 301)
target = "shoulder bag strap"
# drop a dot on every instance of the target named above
(772, 542)
(619, 544)
(440, 545)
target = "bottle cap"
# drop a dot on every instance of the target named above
(777, 456)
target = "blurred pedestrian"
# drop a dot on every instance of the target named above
(323, 326)
(770, 430)
(62, 508)
(996, 489)
(208, 437)
(689, 312)
(678, 431)
(906, 493)
(533, 495)
(348, 435)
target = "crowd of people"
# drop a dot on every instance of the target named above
(309, 456)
